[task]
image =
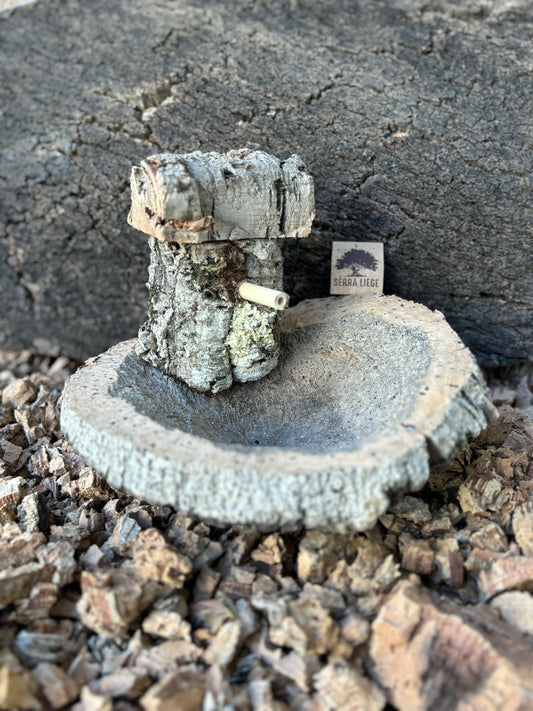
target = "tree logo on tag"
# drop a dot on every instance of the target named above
(356, 260)
(357, 268)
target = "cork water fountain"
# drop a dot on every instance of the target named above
(229, 407)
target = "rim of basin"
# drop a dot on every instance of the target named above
(450, 366)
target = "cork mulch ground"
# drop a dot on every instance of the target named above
(109, 603)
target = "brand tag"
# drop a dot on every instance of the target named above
(357, 268)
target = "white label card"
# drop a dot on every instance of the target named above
(357, 268)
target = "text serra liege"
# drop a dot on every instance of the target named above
(355, 281)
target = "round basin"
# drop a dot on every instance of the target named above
(368, 394)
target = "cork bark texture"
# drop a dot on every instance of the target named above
(365, 398)
(413, 119)
(109, 602)
(198, 328)
(204, 197)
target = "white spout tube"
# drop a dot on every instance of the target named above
(263, 295)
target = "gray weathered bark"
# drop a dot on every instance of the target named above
(413, 118)
(368, 394)
(198, 329)
(205, 197)
(214, 221)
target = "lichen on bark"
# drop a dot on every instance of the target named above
(198, 329)
(252, 342)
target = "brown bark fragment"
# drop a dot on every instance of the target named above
(83, 668)
(112, 512)
(285, 632)
(39, 462)
(16, 583)
(239, 542)
(510, 573)
(31, 420)
(17, 690)
(199, 548)
(297, 667)
(493, 486)
(206, 584)
(177, 525)
(70, 532)
(154, 559)
(93, 558)
(372, 572)
(60, 555)
(318, 554)
(91, 701)
(48, 640)
(523, 527)
(418, 557)
(19, 393)
(162, 659)
(480, 559)
(319, 627)
(13, 455)
(354, 629)
(28, 513)
(249, 619)
(307, 628)
(92, 520)
(210, 614)
(490, 536)
(167, 624)
(516, 608)
(264, 591)
(128, 683)
(111, 600)
(449, 562)
(125, 531)
(57, 466)
(55, 685)
(184, 690)
(224, 644)
(262, 696)
(422, 654)
(437, 527)
(238, 583)
(341, 687)
(11, 491)
(270, 555)
(331, 599)
(87, 486)
(18, 547)
(412, 509)
(37, 606)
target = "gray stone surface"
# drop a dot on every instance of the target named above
(413, 117)
(368, 394)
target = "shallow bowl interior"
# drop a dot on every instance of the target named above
(335, 388)
(367, 396)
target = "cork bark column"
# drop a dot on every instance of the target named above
(214, 222)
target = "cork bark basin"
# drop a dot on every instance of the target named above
(369, 393)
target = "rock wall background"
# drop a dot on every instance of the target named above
(413, 118)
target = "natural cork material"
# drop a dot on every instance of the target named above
(214, 223)
(199, 329)
(368, 394)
